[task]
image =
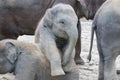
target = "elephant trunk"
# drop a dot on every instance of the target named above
(73, 36)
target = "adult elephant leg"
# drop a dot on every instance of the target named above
(101, 69)
(101, 65)
(78, 59)
(109, 66)
(101, 60)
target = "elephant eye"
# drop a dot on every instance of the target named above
(62, 21)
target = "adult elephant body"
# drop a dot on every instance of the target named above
(18, 17)
(106, 25)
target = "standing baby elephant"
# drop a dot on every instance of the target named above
(57, 35)
(107, 27)
(27, 62)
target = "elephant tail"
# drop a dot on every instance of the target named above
(91, 43)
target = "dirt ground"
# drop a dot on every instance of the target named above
(89, 71)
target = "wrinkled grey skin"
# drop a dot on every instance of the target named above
(27, 62)
(57, 35)
(92, 7)
(19, 17)
(107, 27)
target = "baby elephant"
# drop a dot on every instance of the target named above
(107, 27)
(27, 62)
(57, 35)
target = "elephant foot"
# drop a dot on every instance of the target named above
(57, 72)
(69, 66)
(79, 61)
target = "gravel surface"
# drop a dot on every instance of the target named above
(89, 71)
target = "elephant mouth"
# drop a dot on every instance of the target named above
(61, 43)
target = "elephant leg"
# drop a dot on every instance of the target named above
(55, 62)
(78, 59)
(109, 67)
(70, 66)
(101, 69)
(49, 48)
(101, 62)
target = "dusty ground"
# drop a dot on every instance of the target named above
(89, 71)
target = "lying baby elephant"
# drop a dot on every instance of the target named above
(57, 35)
(27, 62)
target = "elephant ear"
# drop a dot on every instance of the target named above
(47, 19)
(11, 52)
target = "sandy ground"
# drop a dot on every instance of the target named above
(89, 71)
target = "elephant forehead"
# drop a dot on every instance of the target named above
(2, 47)
(66, 11)
(2, 60)
(62, 8)
(66, 17)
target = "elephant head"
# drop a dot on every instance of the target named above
(8, 57)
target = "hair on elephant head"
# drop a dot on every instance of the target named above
(57, 36)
